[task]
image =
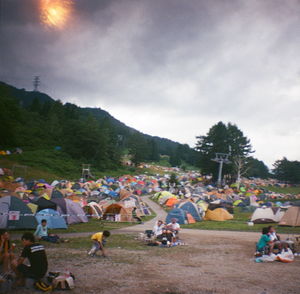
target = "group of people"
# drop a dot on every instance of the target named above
(166, 234)
(36, 254)
(269, 241)
(33, 251)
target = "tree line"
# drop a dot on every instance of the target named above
(34, 120)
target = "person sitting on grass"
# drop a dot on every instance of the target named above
(99, 240)
(278, 244)
(6, 251)
(174, 227)
(158, 228)
(265, 244)
(37, 257)
(41, 233)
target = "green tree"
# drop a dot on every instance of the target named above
(138, 148)
(175, 159)
(221, 138)
(257, 169)
(286, 170)
(153, 150)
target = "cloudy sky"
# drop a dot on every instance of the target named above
(170, 68)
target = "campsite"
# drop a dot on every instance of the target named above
(210, 260)
(149, 147)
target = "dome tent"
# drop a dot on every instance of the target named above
(15, 214)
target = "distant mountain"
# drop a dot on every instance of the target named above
(38, 102)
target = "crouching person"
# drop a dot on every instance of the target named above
(99, 240)
(37, 257)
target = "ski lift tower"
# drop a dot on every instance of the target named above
(221, 158)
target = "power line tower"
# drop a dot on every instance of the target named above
(36, 83)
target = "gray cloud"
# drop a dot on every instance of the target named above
(168, 67)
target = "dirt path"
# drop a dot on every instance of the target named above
(212, 262)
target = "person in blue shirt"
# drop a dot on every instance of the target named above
(41, 233)
(265, 243)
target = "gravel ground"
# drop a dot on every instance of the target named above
(210, 262)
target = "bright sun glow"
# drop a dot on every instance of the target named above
(55, 13)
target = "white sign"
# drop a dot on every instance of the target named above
(14, 215)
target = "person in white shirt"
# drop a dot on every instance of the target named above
(276, 239)
(158, 228)
(174, 226)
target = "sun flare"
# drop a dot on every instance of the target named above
(55, 13)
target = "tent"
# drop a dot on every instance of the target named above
(218, 214)
(264, 215)
(291, 217)
(75, 213)
(177, 213)
(53, 218)
(71, 211)
(93, 209)
(118, 212)
(43, 203)
(171, 202)
(56, 194)
(191, 208)
(15, 214)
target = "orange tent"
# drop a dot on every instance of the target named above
(171, 202)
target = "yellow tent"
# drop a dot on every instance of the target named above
(218, 214)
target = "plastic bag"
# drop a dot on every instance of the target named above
(286, 256)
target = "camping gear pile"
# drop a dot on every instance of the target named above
(284, 256)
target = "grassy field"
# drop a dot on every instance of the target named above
(124, 241)
(54, 165)
(239, 223)
(287, 190)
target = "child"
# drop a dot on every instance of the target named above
(265, 241)
(99, 240)
(41, 233)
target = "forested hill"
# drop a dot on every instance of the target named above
(31, 119)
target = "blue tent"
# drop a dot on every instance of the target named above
(53, 218)
(177, 213)
(191, 208)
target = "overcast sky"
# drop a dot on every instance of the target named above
(169, 68)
